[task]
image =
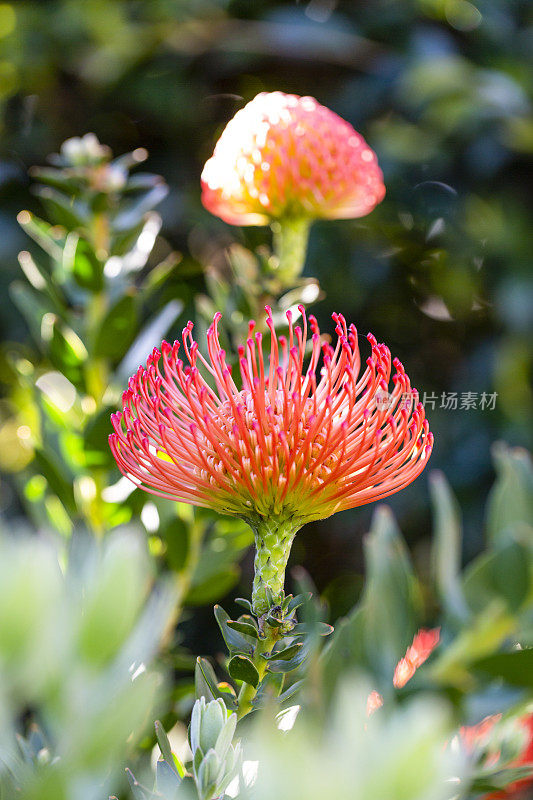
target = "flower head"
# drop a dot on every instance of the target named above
(288, 156)
(477, 738)
(520, 790)
(287, 441)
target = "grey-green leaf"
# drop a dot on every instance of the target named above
(511, 498)
(446, 556)
(234, 640)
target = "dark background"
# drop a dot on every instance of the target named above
(440, 271)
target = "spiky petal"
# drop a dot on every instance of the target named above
(288, 156)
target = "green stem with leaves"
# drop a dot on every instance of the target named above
(248, 692)
(273, 541)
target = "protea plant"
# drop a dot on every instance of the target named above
(288, 442)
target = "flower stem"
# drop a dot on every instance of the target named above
(290, 237)
(273, 541)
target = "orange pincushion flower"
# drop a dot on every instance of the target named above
(286, 443)
(474, 736)
(520, 790)
(423, 645)
(478, 736)
(288, 156)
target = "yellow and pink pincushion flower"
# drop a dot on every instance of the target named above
(285, 156)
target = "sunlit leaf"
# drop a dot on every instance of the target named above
(241, 668)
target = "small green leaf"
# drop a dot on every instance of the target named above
(297, 601)
(244, 627)
(285, 655)
(269, 596)
(123, 242)
(117, 330)
(206, 685)
(33, 305)
(289, 693)
(66, 211)
(282, 665)
(205, 680)
(59, 483)
(226, 688)
(87, 269)
(234, 639)
(241, 601)
(269, 688)
(57, 179)
(304, 629)
(164, 745)
(274, 622)
(131, 213)
(67, 351)
(157, 277)
(141, 181)
(242, 669)
(154, 330)
(41, 279)
(47, 236)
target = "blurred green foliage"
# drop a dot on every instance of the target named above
(399, 755)
(484, 607)
(78, 634)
